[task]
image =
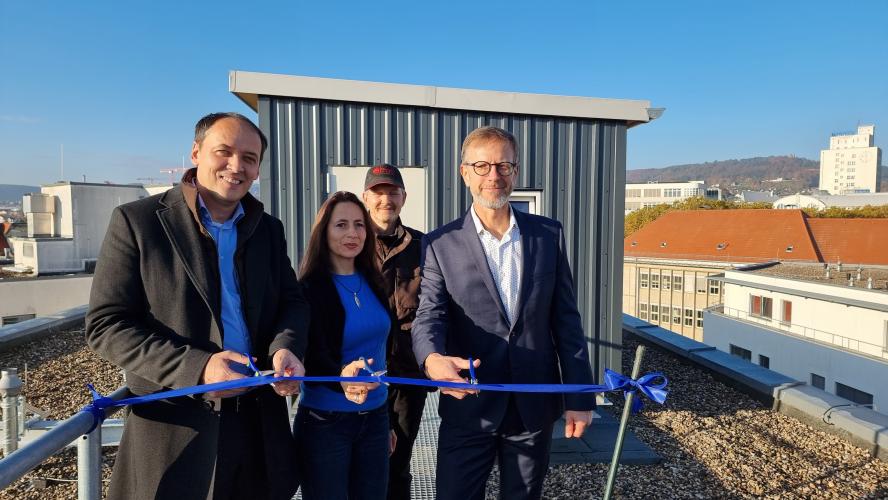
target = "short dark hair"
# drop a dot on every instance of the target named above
(204, 124)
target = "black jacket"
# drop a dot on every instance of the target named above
(323, 356)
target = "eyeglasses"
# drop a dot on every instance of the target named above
(503, 168)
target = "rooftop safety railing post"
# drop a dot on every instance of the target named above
(621, 432)
(89, 465)
(10, 389)
(66, 432)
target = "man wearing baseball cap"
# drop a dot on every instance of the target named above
(398, 256)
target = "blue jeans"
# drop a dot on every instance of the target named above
(343, 455)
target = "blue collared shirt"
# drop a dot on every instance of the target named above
(235, 336)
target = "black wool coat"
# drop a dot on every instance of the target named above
(155, 310)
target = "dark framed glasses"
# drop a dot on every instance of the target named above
(503, 168)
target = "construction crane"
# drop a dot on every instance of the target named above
(172, 171)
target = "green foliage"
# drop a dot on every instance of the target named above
(865, 212)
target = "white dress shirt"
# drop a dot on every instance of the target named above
(504, 260)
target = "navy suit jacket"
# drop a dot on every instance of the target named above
(461, 314)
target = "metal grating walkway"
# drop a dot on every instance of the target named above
(424, 460)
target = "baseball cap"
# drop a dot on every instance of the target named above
(383, 174)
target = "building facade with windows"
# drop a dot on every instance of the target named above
(851, 164)
(656, 193)
(672, 294)
(829, 328)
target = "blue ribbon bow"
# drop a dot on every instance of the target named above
(646, 384)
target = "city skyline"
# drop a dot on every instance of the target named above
(120, 88)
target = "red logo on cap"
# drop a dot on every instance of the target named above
(381, 170)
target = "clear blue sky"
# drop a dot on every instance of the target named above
(121, 85)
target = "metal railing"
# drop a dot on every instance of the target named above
(806, 332)
(89, 451)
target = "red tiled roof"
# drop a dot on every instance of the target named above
(742, 235)
(853, 241)
(760, 236)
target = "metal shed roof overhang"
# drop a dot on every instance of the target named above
(248, 86)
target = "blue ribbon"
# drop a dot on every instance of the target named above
(613, 381)
(646, 384)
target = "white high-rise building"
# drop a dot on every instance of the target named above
(851, 164)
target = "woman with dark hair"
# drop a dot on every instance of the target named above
(342, 430)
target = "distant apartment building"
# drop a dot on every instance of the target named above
(656, 193)
(851, 164)
(66, 223)
(823, 201)
(672, 266)
(828, 328)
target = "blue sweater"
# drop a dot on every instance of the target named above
(365, 334)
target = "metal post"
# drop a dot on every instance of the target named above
(624, 421)
(89, 465)
(10, 388)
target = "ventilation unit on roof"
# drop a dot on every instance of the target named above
(789, 248)
(635, 243)
(721, 246)
(662, 244)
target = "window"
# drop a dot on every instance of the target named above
(853, 395)
(764, 361)
(689, 280)
(655, 280)
(643, 280)
(633, 193)
(655, 313)
(672, 192)
(643, 311)
(689, 317)
(885, 343)
(652, 193)
(699, 319)
(714, 287)
(676, 315)
(787, 311)
(667, 281)
(818, 381)
(11, 320)
(760, 306)
(741, 353)
(676, 282)
(701, 284)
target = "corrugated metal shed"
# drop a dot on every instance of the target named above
(572, 149)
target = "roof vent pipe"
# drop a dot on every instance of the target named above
(859, 270)
(869, 283)
(828, 274)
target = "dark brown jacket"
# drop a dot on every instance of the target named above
(400, 275)
(155, 310)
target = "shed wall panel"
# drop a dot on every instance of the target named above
(577, 163)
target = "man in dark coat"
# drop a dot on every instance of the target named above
(398, 254)
(189, 283)
(497, 287)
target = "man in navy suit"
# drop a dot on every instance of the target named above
(497, 287)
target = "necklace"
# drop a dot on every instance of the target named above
(353, 292)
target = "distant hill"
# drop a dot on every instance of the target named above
(758, 174)
(14, 192)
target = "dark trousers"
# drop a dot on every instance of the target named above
(343, 455)
(466, 457)
(240, 462)
(405, 406)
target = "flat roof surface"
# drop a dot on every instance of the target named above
(816, 273)
(248, 86)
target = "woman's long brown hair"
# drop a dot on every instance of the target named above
(317, 255)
